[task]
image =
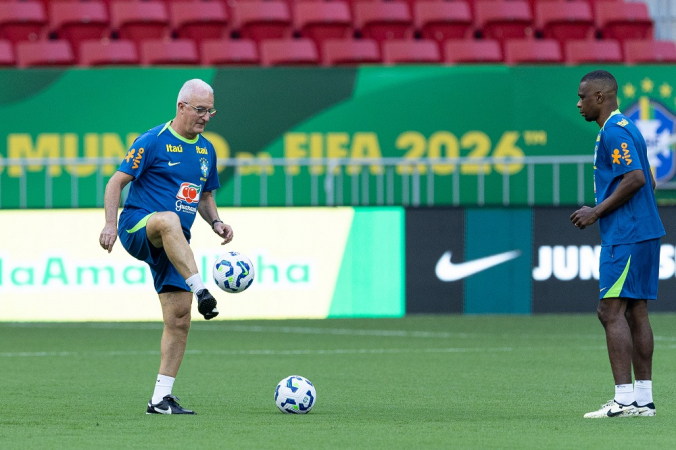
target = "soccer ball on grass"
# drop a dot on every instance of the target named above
(295, 395)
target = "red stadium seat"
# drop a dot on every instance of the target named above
(22, 21)
(472, 51)
(275, 52)
(530, 51)
(336, 52)
(443, 20)
(44, 53)
(79, 21)
(323, 20)
(139, 21)
(7, 58)
(565, 20)
(411, 51)
(260, 20)
(592, 51)
(164, 52)
(229, 52)
(647, 51)
(381, 20)
(199, 20)
(107, 52)
(503, 20)
(624, 21)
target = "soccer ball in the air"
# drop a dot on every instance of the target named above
(233, 272)
(295, 395)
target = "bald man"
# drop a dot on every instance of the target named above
(630, 229)
(172, 170)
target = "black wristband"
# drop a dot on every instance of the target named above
(214, 223)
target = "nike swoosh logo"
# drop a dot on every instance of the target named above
(162, 411)
(601, 290)
(173, 164)
(447, 271)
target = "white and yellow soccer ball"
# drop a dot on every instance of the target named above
(295, 395)
(233, 272)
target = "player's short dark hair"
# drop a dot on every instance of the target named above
(602, 77)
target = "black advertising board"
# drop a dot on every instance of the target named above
(430, 233)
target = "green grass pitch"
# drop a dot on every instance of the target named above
(447, 382)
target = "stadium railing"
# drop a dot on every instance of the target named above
(395, 181)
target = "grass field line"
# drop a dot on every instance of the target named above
(230, 327)
(262, 352)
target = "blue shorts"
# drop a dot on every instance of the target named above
(630, 270)
(133, 236)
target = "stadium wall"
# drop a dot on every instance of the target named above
(377, 112)
(325, 263)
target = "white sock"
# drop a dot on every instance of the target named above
(162, 388)
(643, 391)
(624, 394)
(195, 283)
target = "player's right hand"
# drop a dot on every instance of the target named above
(108, 237)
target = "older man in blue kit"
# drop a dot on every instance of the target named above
(172, 170)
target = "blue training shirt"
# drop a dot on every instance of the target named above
(620, 148)
(170, 173)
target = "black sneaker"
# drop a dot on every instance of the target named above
(168, 405)
(206, 304)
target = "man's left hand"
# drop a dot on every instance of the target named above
(223, 230)
(584, 217)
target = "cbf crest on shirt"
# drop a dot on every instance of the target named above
(620, 149)
(170, 173)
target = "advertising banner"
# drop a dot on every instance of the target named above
(309, 263)
(411, 112)
(514, 261)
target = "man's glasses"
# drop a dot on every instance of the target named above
(202, 111)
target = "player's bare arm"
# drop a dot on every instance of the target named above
(111, 203)
(629, 185)
(208, 211)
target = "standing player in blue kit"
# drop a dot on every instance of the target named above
(172, 170)
(630, 229)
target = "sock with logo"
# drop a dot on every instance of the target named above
(162, 388)
(643, 392)
(624, 394)
(195, 283)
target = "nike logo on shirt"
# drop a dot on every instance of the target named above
(173, 164)
(447, 271)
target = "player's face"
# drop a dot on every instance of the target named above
(195, 122)
(588, 104)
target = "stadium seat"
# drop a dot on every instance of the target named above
(79, 21)
(229, 52)
(443, 20)
(531, 51)
(139, 21)
(22, 21)
(383, 20)
(648, 51)
(156, 52)
(624, 21)
(411, 51)
(44, 53)
(199, 20)
(472, 51)
(337, 52)
(260, 20)
(323, 20)
(107, 52)
(7, 58)
(275, 52)
(593, 51)
(564, 20)
(503, 20)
